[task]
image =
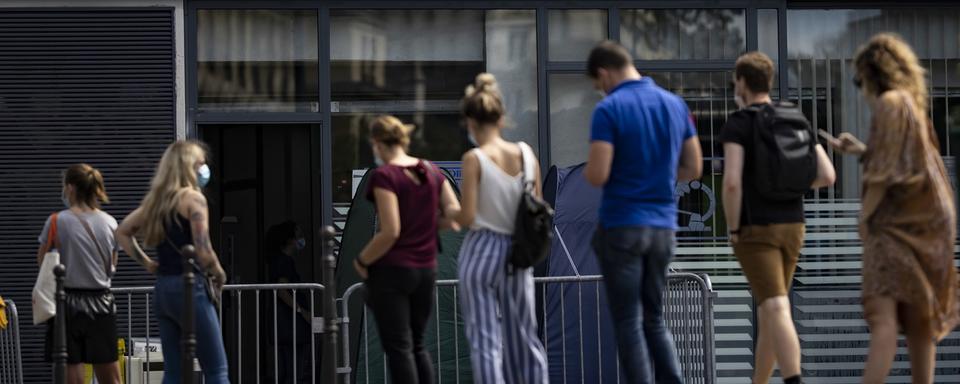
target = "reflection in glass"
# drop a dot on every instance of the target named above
(709, 96)
(257, 60)
(821, 45)
(511, 43)
(413, 64)
(768, 34)
(572, 100)
(672, 34)
(572, 33)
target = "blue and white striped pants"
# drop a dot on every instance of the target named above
(498, 309)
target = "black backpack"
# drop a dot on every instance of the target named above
(784, 151)
(533, 229)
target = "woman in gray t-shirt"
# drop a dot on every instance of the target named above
(84, 236)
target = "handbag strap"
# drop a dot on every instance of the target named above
(526, 168)
(106, 258)
(52, 239)
(196, 265)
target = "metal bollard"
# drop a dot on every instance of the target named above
(60, 329)
(188, 340)
(329, 370)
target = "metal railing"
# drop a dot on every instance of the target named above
(11, 363)
(688, 306)
(242, 330)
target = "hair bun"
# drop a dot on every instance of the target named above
(484, 82)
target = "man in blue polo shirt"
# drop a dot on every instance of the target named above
(642, 142)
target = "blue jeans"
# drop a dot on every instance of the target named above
(168, 305)
(634, 262)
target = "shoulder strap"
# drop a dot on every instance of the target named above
(52, 236)
(527, 167)
(106, 258)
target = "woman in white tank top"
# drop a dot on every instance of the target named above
(497, 304)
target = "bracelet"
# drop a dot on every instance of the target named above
(734, 231)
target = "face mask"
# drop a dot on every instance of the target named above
(64, 199)
(473, 140)
(601, 94)
(203, 175)
(301, 244)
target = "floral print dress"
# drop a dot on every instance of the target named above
(908, 222)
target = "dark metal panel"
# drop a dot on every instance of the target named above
(487, 4)
(649, 65)
(543, 102)
(326, 127)
(256, 117)
(752, 37)
(91, 85)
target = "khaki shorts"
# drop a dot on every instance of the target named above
(768, 255)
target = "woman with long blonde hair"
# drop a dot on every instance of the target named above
(173, 214)
(908, 220)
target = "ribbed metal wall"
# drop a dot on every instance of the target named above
(90, 85)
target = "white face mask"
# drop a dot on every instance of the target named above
(203, 176)
(473, 140)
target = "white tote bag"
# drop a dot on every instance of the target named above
(45, 289)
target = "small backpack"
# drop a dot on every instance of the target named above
(533, 231)
(784, 151)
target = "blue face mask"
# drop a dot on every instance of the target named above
(301, 244)
(203, 175)
(64, 199)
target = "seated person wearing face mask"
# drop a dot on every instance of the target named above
(284, 241)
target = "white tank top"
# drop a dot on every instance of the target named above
(498, 194)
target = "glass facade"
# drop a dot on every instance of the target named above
(257, 60)
(415, 63)
(686, 34)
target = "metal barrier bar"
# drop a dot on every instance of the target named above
(688, 303)
(232, 304)
(188, 338)
(60, 329)
(11, 362)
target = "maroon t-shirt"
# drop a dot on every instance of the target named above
(417, 245)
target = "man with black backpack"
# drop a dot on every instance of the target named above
(771, 160)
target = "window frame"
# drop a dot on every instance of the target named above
(545, 67)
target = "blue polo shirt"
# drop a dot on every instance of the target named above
(647, 126)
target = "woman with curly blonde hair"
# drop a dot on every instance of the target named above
(908, 220)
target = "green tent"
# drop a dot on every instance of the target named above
(451, 354)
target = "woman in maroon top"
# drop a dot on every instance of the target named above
(413, 202)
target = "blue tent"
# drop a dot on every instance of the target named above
(575, 318)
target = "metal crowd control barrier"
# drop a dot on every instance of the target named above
(688, 303)
(11, 362)
(245, 349)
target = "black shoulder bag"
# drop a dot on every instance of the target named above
(533, 230)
